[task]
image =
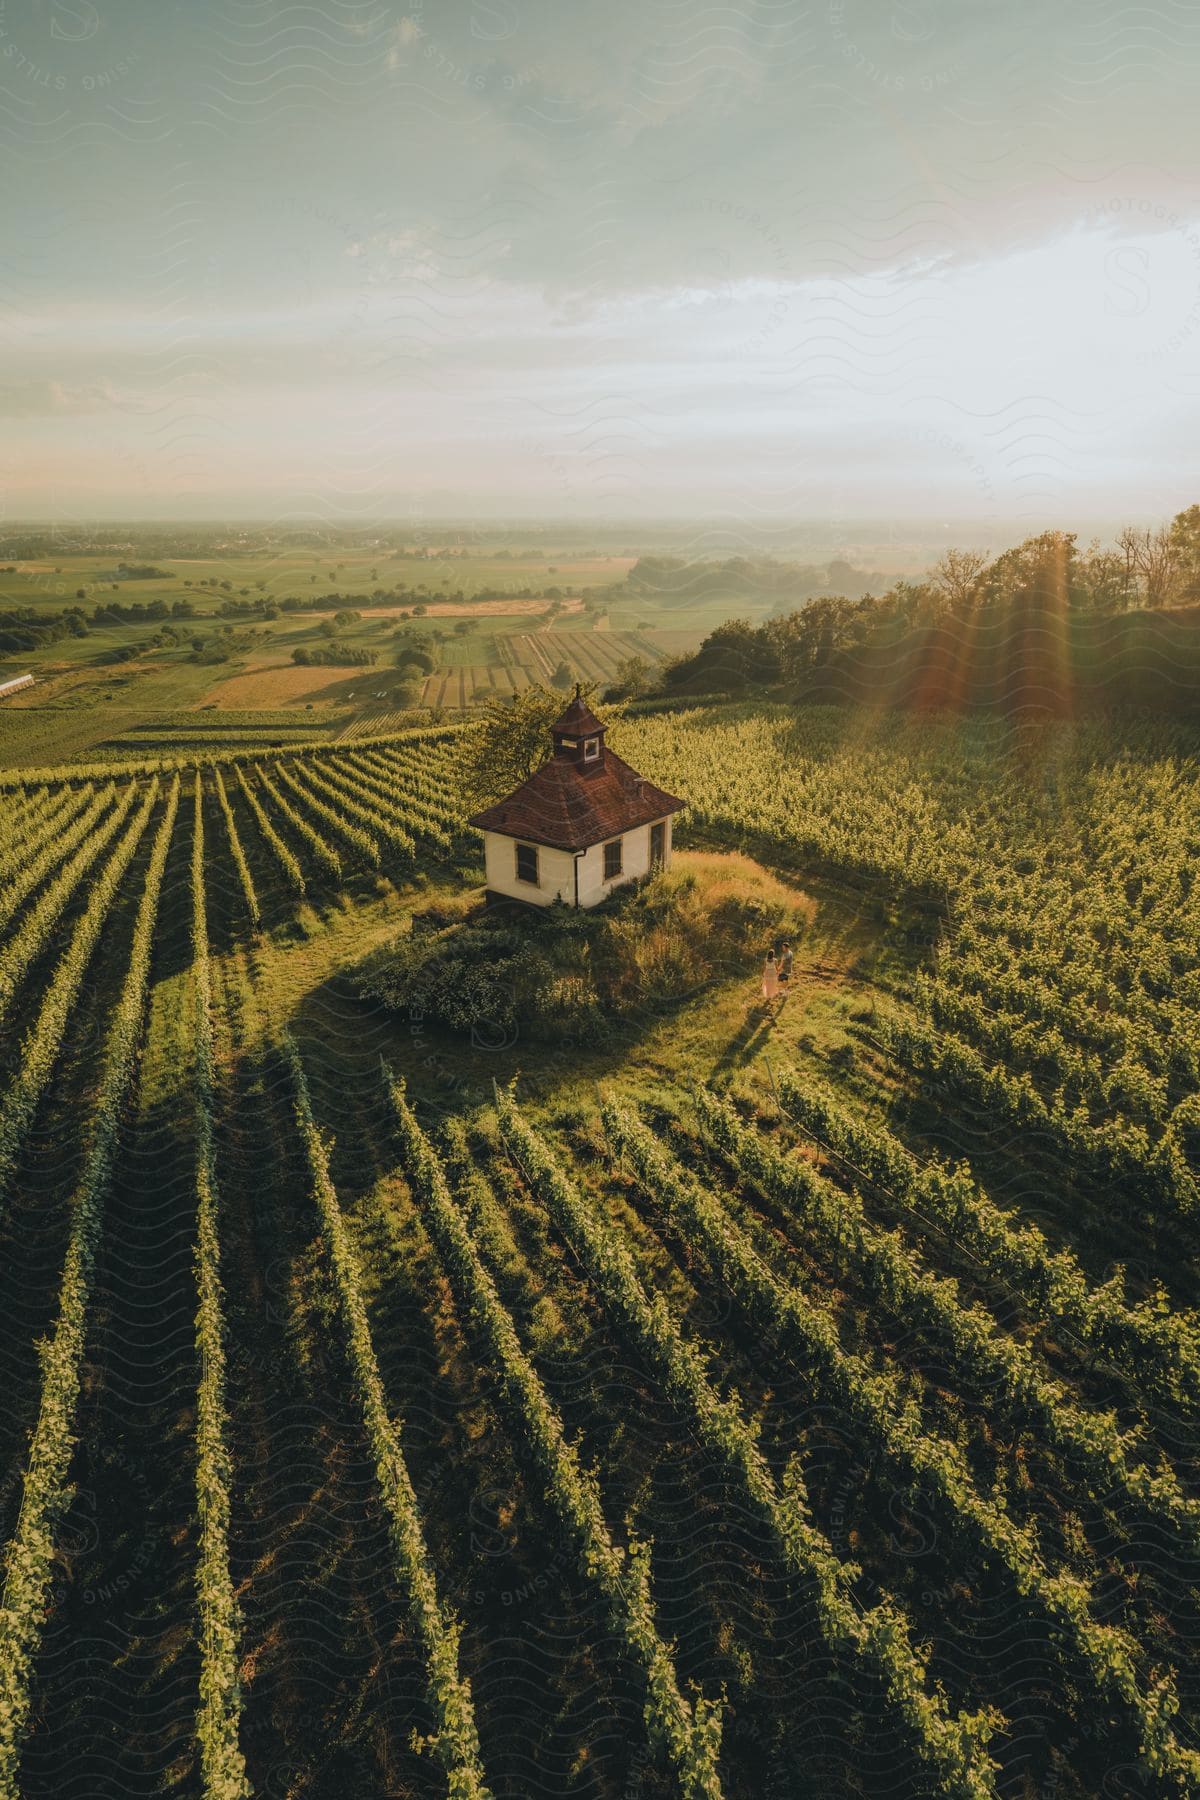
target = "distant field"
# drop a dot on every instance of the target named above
(69, 712)
(39, 737)
(35, 738)
(288, 685)
(483, 609)
(117, 679)
(299, 572)
(528, 658)
(229, 669)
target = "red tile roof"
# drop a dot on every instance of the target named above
(577, 721)
(570, 806)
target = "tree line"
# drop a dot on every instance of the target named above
(1045, 625)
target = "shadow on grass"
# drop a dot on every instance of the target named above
(753, 1037)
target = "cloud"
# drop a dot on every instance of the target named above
(686, 235)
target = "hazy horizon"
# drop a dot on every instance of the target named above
(742, 268)
(889, 546)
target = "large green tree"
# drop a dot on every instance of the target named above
(1185, 539)
(734, 656)
(631, 678)
(1038, 575)
(514, 740)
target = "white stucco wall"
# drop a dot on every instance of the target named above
(556, 879)
(556, 874)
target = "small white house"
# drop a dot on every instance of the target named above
(582, 824)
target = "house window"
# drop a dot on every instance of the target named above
(612, 859)
(570, 743)
(658, 845)
(527, 863)
(591, 749)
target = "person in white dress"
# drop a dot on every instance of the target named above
(770, 978)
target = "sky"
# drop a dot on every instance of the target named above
(576, 259)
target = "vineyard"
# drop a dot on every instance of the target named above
(789, 1409)
(529, 659)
